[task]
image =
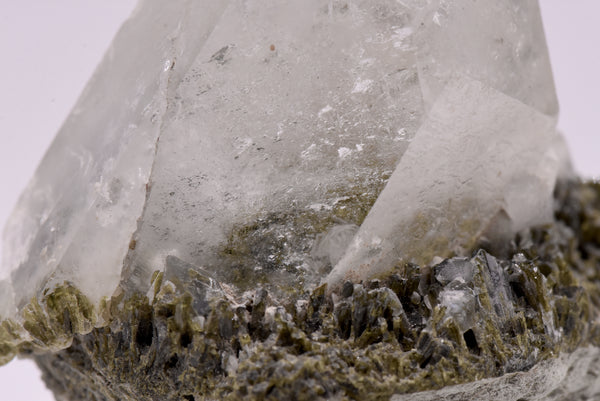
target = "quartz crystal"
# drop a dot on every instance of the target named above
(233, 144)
(75, 220)
(222, 147)
(480, 155)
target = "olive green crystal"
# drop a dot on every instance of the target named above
(419, 328)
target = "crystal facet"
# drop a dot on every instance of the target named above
(480, 155)
(500, 43)
(249, 193)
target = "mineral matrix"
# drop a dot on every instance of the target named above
(418, 328)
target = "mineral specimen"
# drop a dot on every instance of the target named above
(528, 321)
(313, 199)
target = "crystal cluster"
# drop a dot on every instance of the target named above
(227, 146)
(236, 145)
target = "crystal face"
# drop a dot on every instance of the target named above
(480, 155)
(501, 45)
(334, 199)
(251, 140)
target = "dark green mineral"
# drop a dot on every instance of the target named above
(419, 328)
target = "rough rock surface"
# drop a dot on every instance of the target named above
(420, 328)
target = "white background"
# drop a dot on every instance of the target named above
(49, 49)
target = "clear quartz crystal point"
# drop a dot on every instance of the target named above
(490, 171)
(250, 139)
(272, 127)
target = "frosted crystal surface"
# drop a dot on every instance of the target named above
(500, 43)
(249, 138)
(565, 378)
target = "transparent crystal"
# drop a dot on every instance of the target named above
(250, 140)
(500, 43)
(482, 165)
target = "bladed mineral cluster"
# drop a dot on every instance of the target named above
(311, 200)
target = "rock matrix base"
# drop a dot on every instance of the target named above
(525, 316)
